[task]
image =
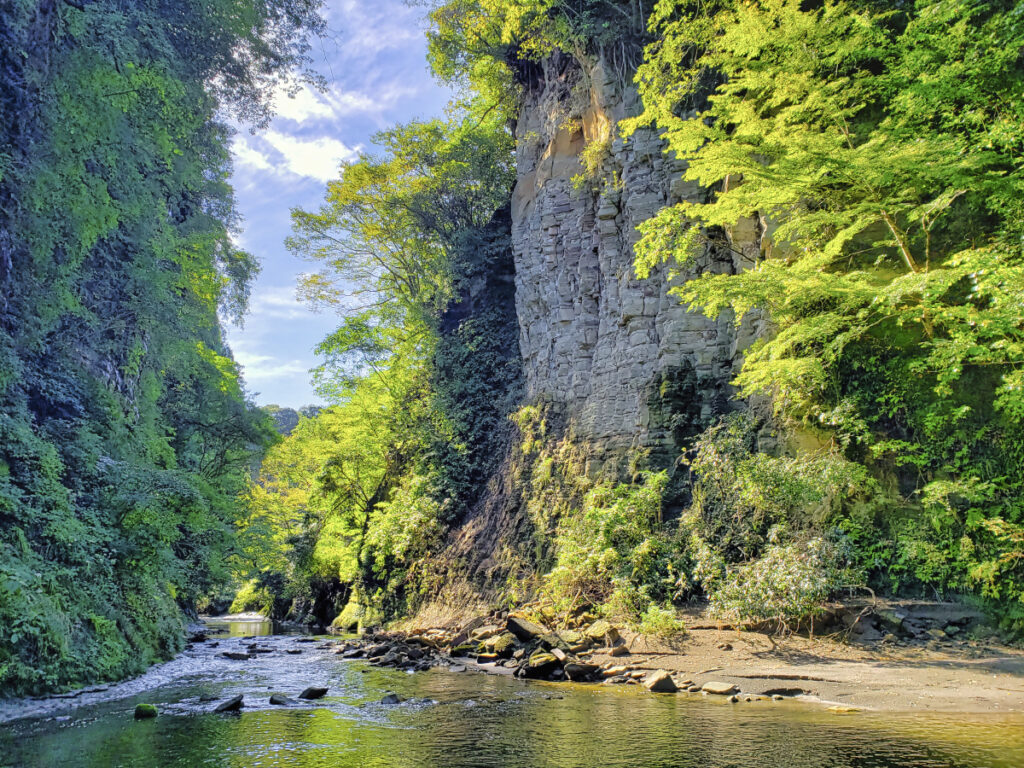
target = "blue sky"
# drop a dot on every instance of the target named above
(375, 62)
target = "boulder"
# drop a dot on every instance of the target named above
(618, 650)
(391, 699)
(551, 640)
(484, 632)
(463, 636)
(660, 681)
(280, 700)
(145, 711)
(719, 688)
(524, 629)
(541, 664)
(572, 637)
(293, 651)
(231, 705)
(602, 631)
(236, 656)
(500, 644)
(579, 672)
(313, 693)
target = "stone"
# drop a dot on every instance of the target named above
(602, 631)
(296, 651)
(540, 664)
(391, 699)
(719, 688)
(457, 668)
(524, 629)
(551, 640)
(145, 711)
(890, 618)
(571, 637)
(313, 692)
(236, 656)
(734, 699)
(936, 634)
(231, 705)
(484, 632)
(280, 700)
(463, 636)
(559, 654)
(579, 672)
(619, 650)
(660, 681)
(614, 671)
(501, 644)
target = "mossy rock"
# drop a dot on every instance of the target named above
(541, 664)
(145, 711)
(348, 619)
(602, 631)
(572, 637)
(500, 644)
(465, 649)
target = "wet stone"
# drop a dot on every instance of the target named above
(313, 692)
(231, 705)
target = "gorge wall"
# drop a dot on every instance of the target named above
(617, 364)
(630, 366)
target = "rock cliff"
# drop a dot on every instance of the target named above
(626, 363)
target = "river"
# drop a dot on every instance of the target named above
(462, 720)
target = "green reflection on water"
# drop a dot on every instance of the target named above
(477, 721)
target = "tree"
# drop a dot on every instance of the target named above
(878, 150)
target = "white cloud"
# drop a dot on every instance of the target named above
(279, 303)
(246, 155)
(303, 105)
(317, 158)
(332, 104)
(257, 367)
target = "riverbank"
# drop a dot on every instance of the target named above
(892, 657)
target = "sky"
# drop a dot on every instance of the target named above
(374, 59)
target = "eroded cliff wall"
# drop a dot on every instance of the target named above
(630, 366)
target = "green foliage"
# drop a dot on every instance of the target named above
(877, 149)
(125, 435)
(422, 370)
(788, 582)
(614, 550)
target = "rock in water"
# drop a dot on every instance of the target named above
(541, 664)
(313, 693)
(719, 688)
(144, 711)
(391, 699)
(231, 705)
(236, 656)
(579, 672)
(524, 629)
(660, 681)
(279, 700)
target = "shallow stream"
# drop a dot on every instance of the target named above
(462, 720)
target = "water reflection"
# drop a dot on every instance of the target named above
(239, 625)
(476, 721)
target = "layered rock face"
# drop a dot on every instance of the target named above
(627, 363)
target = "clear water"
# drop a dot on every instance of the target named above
(465, 720)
